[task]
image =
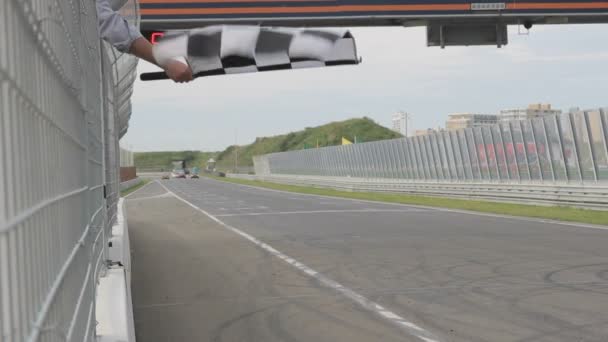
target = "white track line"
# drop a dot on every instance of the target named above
(409, 327)
(323, 212)
(457, 211)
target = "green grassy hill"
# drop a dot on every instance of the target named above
(330, 134)
(363, 130)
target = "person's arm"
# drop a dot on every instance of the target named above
(176, 70)
(116, 30)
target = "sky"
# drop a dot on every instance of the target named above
(562, 65)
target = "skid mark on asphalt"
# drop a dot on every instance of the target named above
(410, 328)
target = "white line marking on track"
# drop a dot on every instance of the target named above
(409, 327)
(322, 212)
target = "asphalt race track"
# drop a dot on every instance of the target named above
(215, 261)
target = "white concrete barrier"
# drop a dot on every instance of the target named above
(114, 306)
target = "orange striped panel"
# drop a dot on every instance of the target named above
(222, 1)
(352, 8)
(557, 5)
(315, 9)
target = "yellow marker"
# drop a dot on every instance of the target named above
(346, 141)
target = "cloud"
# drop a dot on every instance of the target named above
(559, 64)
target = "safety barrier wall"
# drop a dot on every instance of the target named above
(567, 148)
(127, 173)
(555, 160)
(64, 103)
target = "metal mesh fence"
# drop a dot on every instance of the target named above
(126, 158)
(570, 147)
(64, 102)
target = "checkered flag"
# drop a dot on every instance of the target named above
(233, 49)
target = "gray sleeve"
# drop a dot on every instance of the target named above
(114, 29)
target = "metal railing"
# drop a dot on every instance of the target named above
(567, 148)
(64, 103)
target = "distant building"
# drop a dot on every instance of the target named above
(533, 111)
(400, 123)
(421, 132)
(428, 131)
(466, 120)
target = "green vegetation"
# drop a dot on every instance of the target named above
(127, 191)
(363, 130)
(552, 213)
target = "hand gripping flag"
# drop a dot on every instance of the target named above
(232, 49)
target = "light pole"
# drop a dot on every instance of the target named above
(406, 116)
(236, 151)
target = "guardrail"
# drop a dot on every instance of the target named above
(585, 196)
